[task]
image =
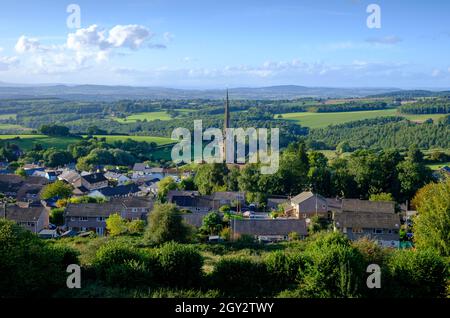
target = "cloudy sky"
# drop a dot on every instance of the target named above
(211, 44)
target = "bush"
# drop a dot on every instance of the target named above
(284, 269)
(416, 274)
(29, 267)
(165, 224)
(116, 225)
(240, 277)
(336, 269)
(57, 216)
(181, 265)
(118, 264)
(136, 226)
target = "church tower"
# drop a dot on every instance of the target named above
(226, 125)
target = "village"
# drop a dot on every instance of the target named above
(133, 195)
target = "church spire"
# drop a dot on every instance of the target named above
(227, 113)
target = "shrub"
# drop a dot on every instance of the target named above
(421, 274)
(29, 267)
(120, 265)
(116, 225)
(57, 216)
(165, 224)
(240, 277)
(284, 269)
(136, 226)
(181, 265)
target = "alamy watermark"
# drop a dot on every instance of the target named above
(230, 148)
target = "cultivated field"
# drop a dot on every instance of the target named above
(149, 116)
(321, 120)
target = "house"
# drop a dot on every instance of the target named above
(374, 220)
(219, 199)
(190, 200)
(51, 175)
(22, 189)
(307, 204)
(121, 179)
(119, 191)
(34, 219)
(142, 171)
(94, 181)
(71, 177)
(268, 229)
(31, 168)
(48, 234)
(274, 202)
(92, 216)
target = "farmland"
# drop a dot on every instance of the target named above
(321, 120)
(27, 142)
(149, 116)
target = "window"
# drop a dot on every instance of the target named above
(357, 230)
(378, 231)
(101, 219)
(84, 218)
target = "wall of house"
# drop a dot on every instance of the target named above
(386, 236)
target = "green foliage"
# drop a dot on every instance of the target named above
(381, 197)
(55, 130)
(164, 186)
(212, 223)
(116, 225)
(416, 274)
(58, 189)
(285, 269)
(165, 224)
(30, 267)
(432, 225)
(21, 172)
(211, 178)
(240, 277)
(181, 265)
(57, 216)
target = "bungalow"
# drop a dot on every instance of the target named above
(114, 192)
(34, 219)
(190, 200)
(219, 199)
(31, 168)
(121, 179)
(22, 189)
(374, 220)
(307, 204)
(94, 181)
(71, 177)
(92, 216)
(269, 230)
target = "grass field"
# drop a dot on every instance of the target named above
(321, 120)
(149, 116)
(8, 116)
(26, 142)
(439, 166)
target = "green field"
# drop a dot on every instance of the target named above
(8, 116)
(438, 166)
(26, 142)
(321, 120)
(149, 116)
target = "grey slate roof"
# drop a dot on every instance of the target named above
(18, 214)
(270, 227)
(95, 178)
(305, 196)
(355, 205)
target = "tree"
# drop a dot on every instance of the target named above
(21, 172)
(165, 224)
(164, 186)
(412, 176)
(432, 225)
(57, 216)
(55, 130)
(188, 184)
(211, 178)
(57, 158)
(212, 223)
(116, 225)
(381, 197)
(58, 189)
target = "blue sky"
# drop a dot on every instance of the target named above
(209, 44)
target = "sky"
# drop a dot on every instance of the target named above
(232, 43)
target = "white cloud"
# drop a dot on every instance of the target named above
(87, 38)
(25, 45)
(7, 61)
(129, 36)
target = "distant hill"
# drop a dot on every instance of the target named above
(409, 94)
(101, 92)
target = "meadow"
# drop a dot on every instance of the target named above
(26, 142)
(321, 120)
(149, 116)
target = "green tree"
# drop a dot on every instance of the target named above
(164, 186)
(166, 224)
(381, 197)
(211, 178)
(432, 225)
(21, 172)
(57, 189)
(116, 225)
(212, 223)
(57, 216)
